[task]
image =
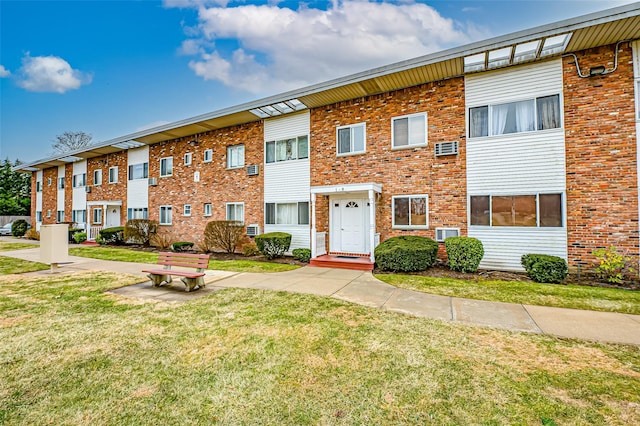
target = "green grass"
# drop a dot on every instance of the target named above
(126, 255)
(72, 354)
(530, 293)
(9, 265)
(4, 246)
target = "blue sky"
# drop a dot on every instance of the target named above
(110, 68)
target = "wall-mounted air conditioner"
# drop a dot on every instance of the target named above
(253, 230)
(446, 148)
(253, 170)
(153, 181)
(444, 233)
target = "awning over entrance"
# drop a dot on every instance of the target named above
(347, 188)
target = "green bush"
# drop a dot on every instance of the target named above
(544, 268)
(140, 230)
(19, 228)
(273, 244)
(302, 254)
(114, 235)
(406, 254)
(464, 253)
(72, 232)
(613, 266)
(80, 237)
(250, 249)
(182, 246)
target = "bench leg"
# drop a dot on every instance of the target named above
(192, 283)
(157, 280)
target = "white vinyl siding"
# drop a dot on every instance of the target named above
(288, 181)
(79, 195)
(138, 188)
(60, 200)
(516, 164)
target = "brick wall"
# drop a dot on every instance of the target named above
(217, 185)
(602, 181)
(108, 191)
(49, 195)
(401, 172)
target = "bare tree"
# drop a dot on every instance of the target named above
(68, 141)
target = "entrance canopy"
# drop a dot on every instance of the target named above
(347, 188)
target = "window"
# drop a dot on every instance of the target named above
(514, 117)
(48, 213)
(287, 149)
(165, 215)
(187, 159)
(235, 156)
(38, 216)
(38, 186)
(60, 216)
(186, 210)
(61, 183)
(97, 216)
(208, 209)
(138, 171)
(351, 139)
(79, 216)
(410, 130)
(137, 213)
(97, 177)
(113, 174)
(411, 211)
(208, 155)
(79, 180)
(541, 210)
(166, 166)
(235, 211)
(287, 213)
(48, 181)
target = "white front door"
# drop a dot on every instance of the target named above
(112, 217)
(349, 225)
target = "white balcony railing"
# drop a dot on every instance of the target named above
(93, 232)
(321, 243)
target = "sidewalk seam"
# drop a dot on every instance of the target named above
(532, 319)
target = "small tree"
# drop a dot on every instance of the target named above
(224, 234)
(140, 230)
(68, 141)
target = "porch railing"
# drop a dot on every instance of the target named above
(321, 243)
(93, 232)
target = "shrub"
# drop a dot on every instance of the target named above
(182, 246)
(613, 265)
(406, 254)
(224, 234)
(74, 231)
(250, 249)
(302, 254)
(161, 240)
(19, 228)
(114, 235)
(80, 237)
(32, 234)
(140, 230)
(273, 244)
(464, 253)
(543, 268)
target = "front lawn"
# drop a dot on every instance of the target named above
(7, 246)
(72, 354)
(10, 265)
(530, 293)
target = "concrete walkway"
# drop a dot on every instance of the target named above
(364, 289)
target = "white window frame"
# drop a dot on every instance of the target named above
(76, 213)
(232, 154)
(132, 171)
(187, 158)
(97, 173)
(60, 216)
(207, 156)
(38, 186)
(169, 161)
(113, 174)
(563, 207)
(351, 128)
(61, 182)
(409, 144)
(48, 213)
(96, 218)
(38, 216)
(134, 212)
(275, 149)
(275, 214)
(186, 210)
(167, 208)
(208, 209)
(235, 206)
(48, 181)
(79, 180)
(409, 226)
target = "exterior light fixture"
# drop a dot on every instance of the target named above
(597, 71)
(600, 69)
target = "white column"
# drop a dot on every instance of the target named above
(372, 224)
(313, 227)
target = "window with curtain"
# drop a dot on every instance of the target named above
(537, 210)
(137, 213)
(208, 209)
(97, 215)
(351, 139)
(410, 211)
(287, 213)
(139, 171)
(235, 211)
(287, 149)
(165, 215)
(235, 156)
(409, 130)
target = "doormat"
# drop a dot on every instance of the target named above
(348, 257)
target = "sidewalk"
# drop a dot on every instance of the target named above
(364, 289)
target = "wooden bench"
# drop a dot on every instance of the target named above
(190, 279)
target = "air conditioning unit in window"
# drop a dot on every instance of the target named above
(253, 170)
(253, 230)
(87, 188)
(444, 233)
(446, 148)
(153, 181)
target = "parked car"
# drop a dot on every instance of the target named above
(6, 229)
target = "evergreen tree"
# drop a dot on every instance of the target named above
(15, 190)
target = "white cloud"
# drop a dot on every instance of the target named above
(280, 48)
(50, 74)
(4, 72)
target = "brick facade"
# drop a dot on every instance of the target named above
(49, 195)
(600, 132)
(108, 191)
